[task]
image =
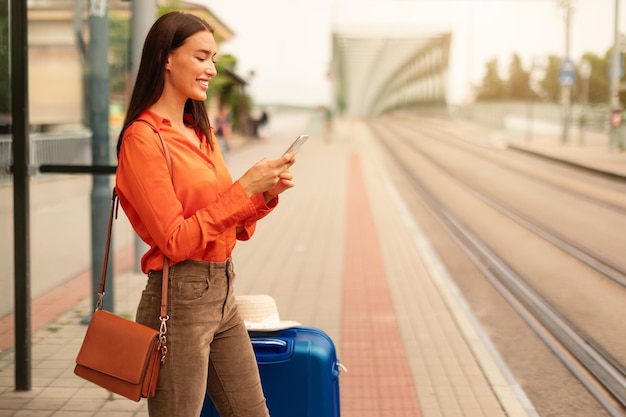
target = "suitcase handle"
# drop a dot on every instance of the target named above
(272, 350)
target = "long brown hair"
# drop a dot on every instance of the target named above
(167, 34)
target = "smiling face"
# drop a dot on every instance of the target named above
(191, 66)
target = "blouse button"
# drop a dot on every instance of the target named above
(210, 165)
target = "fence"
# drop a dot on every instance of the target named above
(496, 114)
(49, 148)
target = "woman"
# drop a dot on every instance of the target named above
(193, 217)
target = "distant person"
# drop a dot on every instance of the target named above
(194, 218)
(328, 123)
(259, 125)
(223, 127)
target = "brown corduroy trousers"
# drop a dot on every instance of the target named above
(208, 347)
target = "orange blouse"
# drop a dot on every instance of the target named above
(194, 214)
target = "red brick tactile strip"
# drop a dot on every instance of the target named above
(455, 369)
(48, 306)
(379, 383)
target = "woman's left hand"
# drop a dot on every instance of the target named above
(285, 181)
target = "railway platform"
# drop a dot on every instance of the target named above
(591, 149)
(341, 253)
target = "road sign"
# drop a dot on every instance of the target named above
(567, 73)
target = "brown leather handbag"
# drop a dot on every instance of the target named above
(121, 355)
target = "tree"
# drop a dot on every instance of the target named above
(518, 87)
(226, 89)
(604, 80)
(599, 79)
(550, 86)
(223, 86)
(492, 88)
(119, 53)
(519, 81)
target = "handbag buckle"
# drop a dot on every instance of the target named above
(163, 338)
(100, 301)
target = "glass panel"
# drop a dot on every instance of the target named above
(6, 189)
(60, 214)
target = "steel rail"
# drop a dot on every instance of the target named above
(564, 339)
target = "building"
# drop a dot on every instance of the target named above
(57, 46)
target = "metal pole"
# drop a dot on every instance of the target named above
(566, 90)
(143, 15)
(615, 76)
(585, 73)
(98, 76)
(21, 192)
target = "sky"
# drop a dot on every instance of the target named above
(287, 43)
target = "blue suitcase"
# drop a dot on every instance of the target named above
(299, 373)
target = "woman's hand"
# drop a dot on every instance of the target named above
(269, 176)
(285, 182)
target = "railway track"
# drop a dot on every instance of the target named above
(588, 359)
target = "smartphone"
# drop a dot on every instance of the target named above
(297, 143)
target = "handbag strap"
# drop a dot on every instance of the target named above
(166, 261)
(107, 246)
(113, 214)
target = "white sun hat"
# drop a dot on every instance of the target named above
(259, 312)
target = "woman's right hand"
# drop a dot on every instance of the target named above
(265, 174)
